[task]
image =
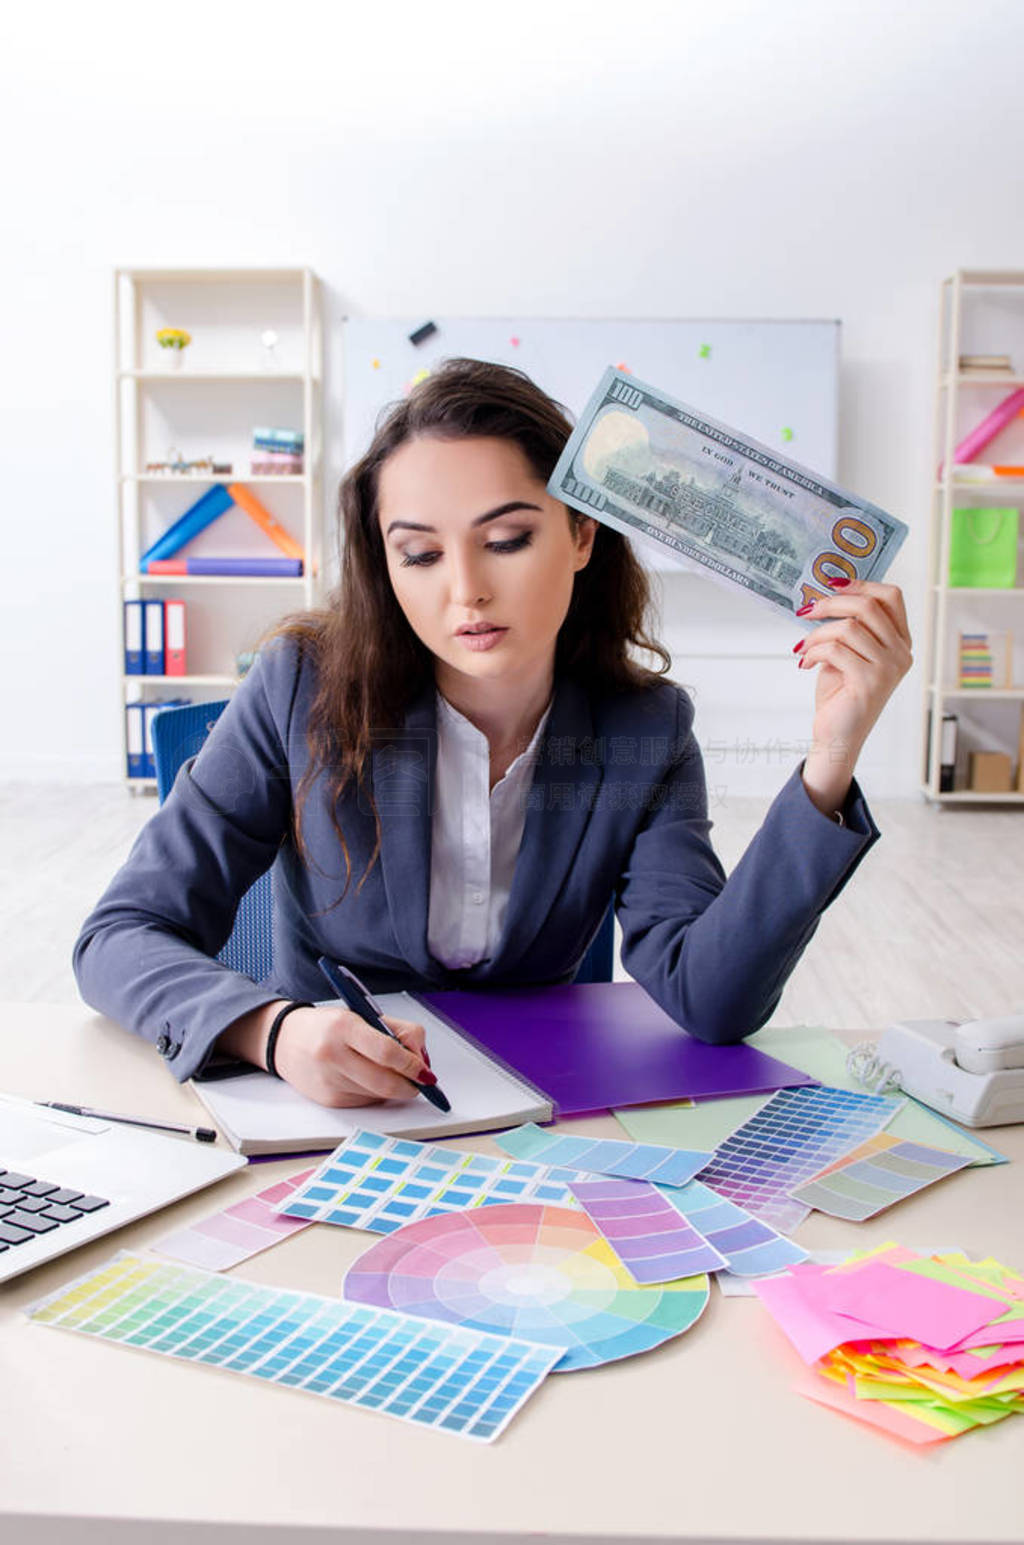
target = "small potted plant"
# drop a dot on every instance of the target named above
(175, 340)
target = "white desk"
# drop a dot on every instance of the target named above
(701, 1439)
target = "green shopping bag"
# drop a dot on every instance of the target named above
(983, 548)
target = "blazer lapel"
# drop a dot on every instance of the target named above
(565, 784)
(402, 765)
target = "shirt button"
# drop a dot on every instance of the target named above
(163, 1045)
(478, 898)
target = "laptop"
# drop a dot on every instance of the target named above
(67, 1179)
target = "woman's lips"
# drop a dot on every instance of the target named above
(485, 640)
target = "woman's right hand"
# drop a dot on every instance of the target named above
(337, 1059)
(332, 1056)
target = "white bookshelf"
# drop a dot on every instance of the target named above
(224, 386)
(981, 312)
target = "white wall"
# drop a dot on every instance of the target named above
(732, 159)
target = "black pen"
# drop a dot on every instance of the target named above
(356, 997)
(201, 1134)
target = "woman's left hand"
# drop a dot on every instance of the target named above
(863, 651)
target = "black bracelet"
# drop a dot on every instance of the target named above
(275, 1031)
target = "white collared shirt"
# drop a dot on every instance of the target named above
(476, 832)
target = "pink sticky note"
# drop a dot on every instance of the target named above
(810, 1328)
(1007, 1332)
(903, 1303)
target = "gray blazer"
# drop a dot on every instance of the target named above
(617, 810)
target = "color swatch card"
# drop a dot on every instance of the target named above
(792, 1137)
(540, 1272)
(380, 1183)
(751, 1247)
(608, 1156)
(654, 1242)
(442, 1376)
(878, 1173)
(226, 1238)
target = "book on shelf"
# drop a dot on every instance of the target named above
(134, 638)
(987, 364)
(982, 434)
(988, 471)
(153, 634)
(277, 452)
(134, 740)
(270, 439)
(196, 518)
(175, 633)
(947, 752)
(273, 464)
(255, 568)
(984, 659)
(261, 516)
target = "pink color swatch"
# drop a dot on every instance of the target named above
(232, 1235)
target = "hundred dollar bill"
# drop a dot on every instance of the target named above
(712, 497)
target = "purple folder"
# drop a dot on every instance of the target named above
(601, 1045)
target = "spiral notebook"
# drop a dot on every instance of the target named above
(259, 1114)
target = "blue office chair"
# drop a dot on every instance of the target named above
(178, 733)
(597, 962)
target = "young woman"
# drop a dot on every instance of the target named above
(459, 764)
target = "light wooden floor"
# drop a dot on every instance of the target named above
(932, 923)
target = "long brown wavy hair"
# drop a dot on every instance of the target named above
(370, 665)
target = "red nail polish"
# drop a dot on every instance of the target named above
(799, 646)
(426, 1057)
(427, 1077)
(839, 583)
(805, 609)
(801, 663)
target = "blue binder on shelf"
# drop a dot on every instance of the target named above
(149, 710)
(195, 519)
(134, 634)
(153, 636)
(135, 739)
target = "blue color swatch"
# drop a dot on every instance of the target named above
(606, 1156)
(381, 1183)
(794, 1135)
(751, 1246)
(446, 1376)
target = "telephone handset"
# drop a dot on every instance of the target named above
(988, 1045)
(973, 1072)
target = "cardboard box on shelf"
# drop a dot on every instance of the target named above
(991, 772)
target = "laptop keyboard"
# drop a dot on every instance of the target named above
(29, 1207)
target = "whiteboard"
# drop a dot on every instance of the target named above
(776, 381)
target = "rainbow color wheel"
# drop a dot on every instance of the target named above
(521, 1269)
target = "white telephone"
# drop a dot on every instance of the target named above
(973, 1072)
